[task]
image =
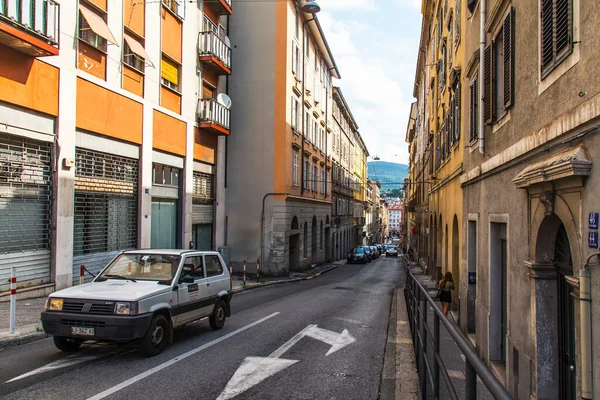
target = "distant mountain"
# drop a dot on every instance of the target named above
(391, 175)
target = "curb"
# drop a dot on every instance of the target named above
(9, 342)
(262, 285)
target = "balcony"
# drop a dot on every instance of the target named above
(219, 6)
(214, 51)
(30, 26)
(213, 116)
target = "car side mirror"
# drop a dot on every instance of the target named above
(187, 279)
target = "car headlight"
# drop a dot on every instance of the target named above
(53, 304)
(126, 308)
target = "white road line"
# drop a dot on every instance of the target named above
(288, 345)
(172, 361)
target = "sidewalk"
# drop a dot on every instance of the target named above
(29, 327)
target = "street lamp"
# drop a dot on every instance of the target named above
(310, 7)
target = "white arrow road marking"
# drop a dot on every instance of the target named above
(69, 361)
(172, 361)
(254, 370)
(337, 341)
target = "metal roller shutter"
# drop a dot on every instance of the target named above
(106, 209)
(25, 210)
(203, 199)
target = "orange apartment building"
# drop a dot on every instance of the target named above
(112, 132)
(279, 178)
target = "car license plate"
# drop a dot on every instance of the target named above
(76, 330)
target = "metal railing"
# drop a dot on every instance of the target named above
(37, 17)
(418, 302)
(209, 110)
(209, 43)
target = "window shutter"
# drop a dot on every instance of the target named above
(562, 26)
(487, 86)
(547, 39)
(457, 113)
(509, 49)
(473, 108)
(294, 60)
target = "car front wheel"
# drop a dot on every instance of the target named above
(66, 344)
(217, 319)
(157, 336)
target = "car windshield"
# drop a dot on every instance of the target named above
(148, 267)
(367, 248)
(358, 251)
(390, 247)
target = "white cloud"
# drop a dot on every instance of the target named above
(374, 68)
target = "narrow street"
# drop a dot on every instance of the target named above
(318, 339)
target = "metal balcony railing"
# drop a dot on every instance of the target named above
(37, 17)
(209, 110)
(210, 44)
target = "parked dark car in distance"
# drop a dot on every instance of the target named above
(375, 251)
(357, 255)
(368, 252)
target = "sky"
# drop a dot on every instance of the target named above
(375, 44)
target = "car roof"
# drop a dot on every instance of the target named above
(170, 252)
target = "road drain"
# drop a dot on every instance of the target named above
(343, 288)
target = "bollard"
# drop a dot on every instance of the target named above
(244, 272)
(257, 269)
(13, 299)
(81, 272)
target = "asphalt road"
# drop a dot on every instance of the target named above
(318, 339)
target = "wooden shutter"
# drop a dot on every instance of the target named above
(457, 102)
(562, 26)
(547, 39)
(473, 108)
(487, 86)
(509, 49)
(294, 60)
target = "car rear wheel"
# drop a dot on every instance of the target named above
(66, 344)
(157, 336)
(217, 319)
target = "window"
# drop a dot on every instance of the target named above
(474, 109)
(192, 268)
(315, 132)
(323, 180)
(213, 266)
(296, 113)
(91, 25)
(169, 73)
(306, 174)
(202, 185)
(210, 26)
(442, 70)
(297, 61)
(499, 72)
(295, 166)
(307, 125)
(315, 185)
(130, 57)
(165, 175)
(176, 6)
(457, 23)
(297, 17)
(556, 33)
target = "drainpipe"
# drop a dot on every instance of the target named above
(262, 226)
(482, 20)
(585, 307)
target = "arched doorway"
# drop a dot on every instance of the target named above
(556, 306)
(439, 249)
(445, 266)
(322, 236)
(305, 244)
(294, 246)
(313, 246)
(455, 262)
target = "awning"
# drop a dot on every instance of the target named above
(97, 24)
(137, 48)
(572, 162)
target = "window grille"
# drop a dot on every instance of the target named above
(25, 195)
(203, 186)
(106, 210)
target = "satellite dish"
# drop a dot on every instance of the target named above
(227, 41)
(224, 100)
